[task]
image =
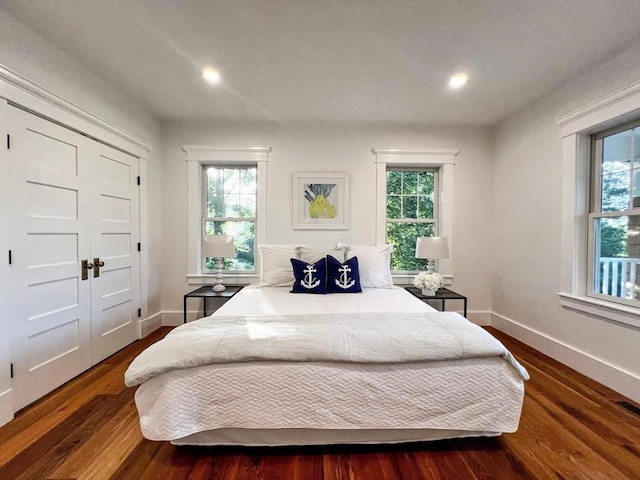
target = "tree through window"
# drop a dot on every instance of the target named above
(411, 213)
(230, 209)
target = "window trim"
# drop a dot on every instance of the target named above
(442, 159)
(199, 156)
(577, 128)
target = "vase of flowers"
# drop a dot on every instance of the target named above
(428, 282)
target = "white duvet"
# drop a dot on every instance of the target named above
(355, 337)
(371, 371)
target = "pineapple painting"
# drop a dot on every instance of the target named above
(317, 194)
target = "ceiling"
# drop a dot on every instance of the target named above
(308, 61)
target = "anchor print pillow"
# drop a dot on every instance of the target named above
(343, 277)
(309, 278)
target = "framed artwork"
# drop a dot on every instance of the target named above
(320, 201)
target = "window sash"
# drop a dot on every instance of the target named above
(602, 275)
(205, 218)
(434, 221)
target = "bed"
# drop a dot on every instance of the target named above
(273, 368)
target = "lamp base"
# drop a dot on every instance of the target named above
(218, 287)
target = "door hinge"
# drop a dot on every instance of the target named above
(10, 260)
(11, 370)
(8, 142)
(139, 247)
(139, 312)
(138, 179)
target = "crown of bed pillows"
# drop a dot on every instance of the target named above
(327, 275)
(276, 270)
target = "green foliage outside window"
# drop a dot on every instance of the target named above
(410, 214)
(231, 210)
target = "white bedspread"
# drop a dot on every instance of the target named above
(355, 337)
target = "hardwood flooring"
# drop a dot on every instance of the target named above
(571, 428)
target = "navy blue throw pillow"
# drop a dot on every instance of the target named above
(343, 277)
(309, 278)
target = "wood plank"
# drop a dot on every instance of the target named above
(105, 451)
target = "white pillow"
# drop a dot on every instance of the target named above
(374, 264)
(312, 255)
(275, 264)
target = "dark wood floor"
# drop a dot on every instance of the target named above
(571, 428)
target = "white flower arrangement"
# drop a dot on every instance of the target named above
(428, 281)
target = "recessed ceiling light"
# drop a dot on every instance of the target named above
(458, 81)
(211, 75)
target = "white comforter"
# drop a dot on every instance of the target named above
(343, 337)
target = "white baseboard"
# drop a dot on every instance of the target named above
(6, 407)
(150, 324)
(479, 318)
(173, 319)
(613, 377)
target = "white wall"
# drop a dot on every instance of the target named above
(32, 57)
(526, 237)
(341, 148)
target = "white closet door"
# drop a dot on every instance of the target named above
(114, 241)
(72, 199)
(49, 221)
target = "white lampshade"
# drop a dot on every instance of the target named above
(432, 247)
(218, 246)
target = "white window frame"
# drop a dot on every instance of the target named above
(199, 156)
(596, 213)
(205, 218)
(442, 159)
(577, 128)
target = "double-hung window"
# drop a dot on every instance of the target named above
(230, 199)
(414, 198)
(614, 216)
(412, 211)
(227, 187)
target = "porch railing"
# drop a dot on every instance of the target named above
(619, 277)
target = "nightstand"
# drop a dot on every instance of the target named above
(442, 294)
(206, 292)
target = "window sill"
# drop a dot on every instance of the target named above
(407, 278)
(234, 279)
(602, 309)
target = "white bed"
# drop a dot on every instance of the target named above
(369, 384)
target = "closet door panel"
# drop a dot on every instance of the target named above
(115, 235)
(49, 236)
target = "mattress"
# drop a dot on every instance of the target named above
(286, 403)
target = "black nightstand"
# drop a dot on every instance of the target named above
(442, 294)
(206, 292)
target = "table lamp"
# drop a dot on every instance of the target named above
(218, 247)
(432, 248)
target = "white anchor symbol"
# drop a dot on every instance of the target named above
(344, 281)
(309, 281)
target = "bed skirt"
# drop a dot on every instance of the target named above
(293, 437)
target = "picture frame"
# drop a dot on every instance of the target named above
(321, 201)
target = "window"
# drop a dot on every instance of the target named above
(229, 197)
(411, 212)
(414, 197)
(578, 216)
(614, 217)
(230, 208)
